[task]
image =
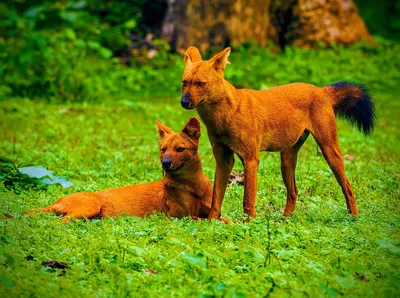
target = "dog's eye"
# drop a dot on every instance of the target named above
(163, 150)
(184, 83)
(201, 83)
(180, 149)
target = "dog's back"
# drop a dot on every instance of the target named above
(268, 113)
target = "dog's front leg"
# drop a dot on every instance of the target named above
(250, 185)
(225, 160)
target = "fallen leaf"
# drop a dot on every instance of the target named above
(236, 178)
(150, 271)
(383, 124)
(362, 277)
(64, 110)
(348, 157)
(55, 264)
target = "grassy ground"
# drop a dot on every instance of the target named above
(320, 251)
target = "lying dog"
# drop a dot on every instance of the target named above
(245, 122)
(183, 191)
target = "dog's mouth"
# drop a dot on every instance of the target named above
(191, 107)
(173, 170)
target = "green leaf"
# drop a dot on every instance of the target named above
(4, 159)
(138, 250)
(388, 245)
(70, 33)
(77, 5)
(285, 253)
(93, 44)
(69, 16)
(35, 172)
(331, 291)
(34, 11)
(6, 165)
(345, 282)
(43, 176)
(194, 259)
(105, 53)
(395, 280)
(6, 282)
(130, 24)
(65, 183)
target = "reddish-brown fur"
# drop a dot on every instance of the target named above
(245, 122)
(183, 191)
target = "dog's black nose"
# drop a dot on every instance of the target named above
(166, 164)
(185, 101)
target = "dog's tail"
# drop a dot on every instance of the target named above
(33, 212)
(353, 103)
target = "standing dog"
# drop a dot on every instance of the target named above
(184, 190)
(245, 122)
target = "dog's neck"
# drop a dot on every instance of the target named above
(188, 175)
(221, 108)
(187, 182)
(181, 188)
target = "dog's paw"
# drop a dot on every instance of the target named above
(226, 220)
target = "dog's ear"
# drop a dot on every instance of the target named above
(192, 129)
(220, 60)
(192, 55)
(163, 130)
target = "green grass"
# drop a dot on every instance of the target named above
(320, 251)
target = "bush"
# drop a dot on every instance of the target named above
(257, 68)
(50, 48)
(67, 51)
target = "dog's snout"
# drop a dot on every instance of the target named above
(166, 163)
(185, 101)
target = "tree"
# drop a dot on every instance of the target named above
(283, 22)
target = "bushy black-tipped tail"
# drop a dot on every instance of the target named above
(353, 103)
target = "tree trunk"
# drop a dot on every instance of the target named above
(284, 22)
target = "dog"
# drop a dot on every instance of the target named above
(245, 122)
(183, 191)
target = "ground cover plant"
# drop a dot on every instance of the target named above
(110, 141)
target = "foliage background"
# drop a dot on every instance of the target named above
(82, 83)
(61, 50)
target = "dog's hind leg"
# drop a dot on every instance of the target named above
(79, 205)
(288, 168)
(87, 206)
(325, 133)
(51, 209)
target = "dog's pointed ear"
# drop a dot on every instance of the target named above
(192, 129)
(163, 130)
(220, 60)
(192, 55)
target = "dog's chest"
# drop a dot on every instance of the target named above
(222, 136)
(180, 203)
(215, 120)
(232, 134)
